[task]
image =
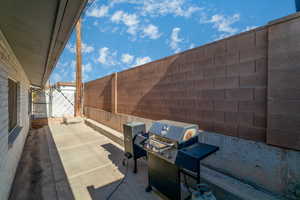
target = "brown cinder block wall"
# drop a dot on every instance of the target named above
(220, 86)
(284, 83)
(245, 86)
(97, 93)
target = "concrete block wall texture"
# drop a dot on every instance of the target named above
(284, 83)
(217, 86)
(112, 120)
(220, 86)
(10, 154)
(98, 93)
(240, 86)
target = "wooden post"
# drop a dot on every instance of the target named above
(114, 93)
(78, 97)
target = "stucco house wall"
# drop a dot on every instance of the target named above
(11, 143)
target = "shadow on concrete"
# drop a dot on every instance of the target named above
(116, 156)
(40, 174)
(133, 186)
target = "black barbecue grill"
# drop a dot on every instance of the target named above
(172, 148)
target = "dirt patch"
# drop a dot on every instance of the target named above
(34, 178)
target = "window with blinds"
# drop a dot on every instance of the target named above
(12, 104)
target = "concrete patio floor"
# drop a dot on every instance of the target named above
(75, 162)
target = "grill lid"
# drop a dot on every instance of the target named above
(175, 131)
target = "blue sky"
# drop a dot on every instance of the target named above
(119, 34)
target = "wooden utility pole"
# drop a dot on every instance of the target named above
(78, 97)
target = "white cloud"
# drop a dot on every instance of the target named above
(192, 45)
(117, 16)
(61, 65)
(127, 58)
(130, 20)
(151, 31)
(64, 71)
(103, 53)
(56, 77)
(164, 7)
(98, 12)
(106, 57)
(142, 60)
(87, 67)
(113, 2)
(95, 23)
(86, 77)
(248, 28)
(73, 64)
(71, 48)
(222, 36)
(136, 23)
(157, 8)
(85, 48)
(228, 34)
(187, 13)
(224, 23)
(175, 40)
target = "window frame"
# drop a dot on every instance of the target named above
(29, 102)
(13, 104)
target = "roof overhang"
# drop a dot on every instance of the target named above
(37, 31)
